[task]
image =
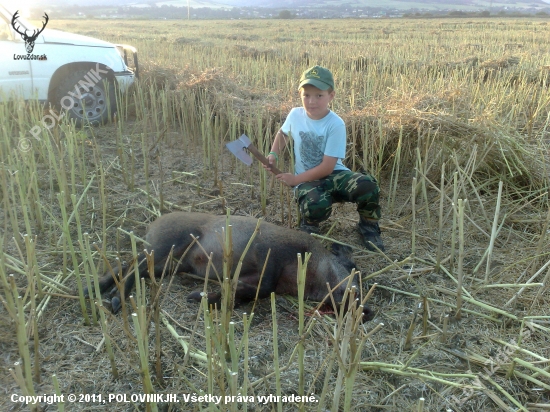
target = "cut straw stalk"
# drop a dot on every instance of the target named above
(506, 394)
(480, 304)
(469, 300)
(545, 232)
(466, 175)
(138, 295)
(348, 339)
(487, 250)
(89, 269)
(459, 274)
(18, 317)
(143, 345)
(17, 376)
(68, 239)
(228, 287)
(413, 220)
(512, 285)
(454, 209)
(107, 338)
(420, 373)
(60, 405)
(422, 166)
(344, 328)
(276, 368)
(519, 292)
(395, 172)
(440, 225)
(453, 202)
(531, 379)
(244, 349)
(301, 280)
(408, 338)
(420, 407)
(188, 351)
(444, 269)
(291, 361)
(493, 233)
(234, 373)
(520, 349)
(530, 366)
(23, 201)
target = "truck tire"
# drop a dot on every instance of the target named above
(87, 102)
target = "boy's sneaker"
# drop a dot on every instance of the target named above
(370, 232)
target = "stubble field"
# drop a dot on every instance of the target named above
(450, 116)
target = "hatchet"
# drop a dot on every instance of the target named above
(237, 148)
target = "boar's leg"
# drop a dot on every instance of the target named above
(245, 292)
(107, 281)
(129, 281)
(130, 278)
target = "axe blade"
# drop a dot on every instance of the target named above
(246, 141)
(237, 148)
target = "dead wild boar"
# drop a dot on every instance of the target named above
(175, 229)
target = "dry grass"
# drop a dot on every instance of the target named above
(196, 94)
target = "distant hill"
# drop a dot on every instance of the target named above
(466, 5)
(390, 4)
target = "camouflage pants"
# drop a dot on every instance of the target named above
(315, 198)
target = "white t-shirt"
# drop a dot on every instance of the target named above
(315, 138)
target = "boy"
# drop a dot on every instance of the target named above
(320, 177)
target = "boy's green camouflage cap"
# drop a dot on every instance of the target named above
(317, 76)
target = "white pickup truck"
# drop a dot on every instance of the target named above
(76, 74)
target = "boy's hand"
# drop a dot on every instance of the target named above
(272, 161)
(287, 178)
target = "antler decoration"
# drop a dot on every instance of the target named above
(29, 40)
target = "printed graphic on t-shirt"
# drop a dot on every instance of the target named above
(311, 149)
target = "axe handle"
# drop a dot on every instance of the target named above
(252, 149)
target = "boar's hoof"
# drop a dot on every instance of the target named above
(115, 304)
(194, 296)
(368, 314)
(212, 297)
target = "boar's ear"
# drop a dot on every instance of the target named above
(341, 250)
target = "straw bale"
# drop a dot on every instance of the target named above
(160, 76)
(457, 130)
(502, 63)
(254, 53)
(187, 40)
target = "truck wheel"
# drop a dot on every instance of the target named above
(85, 101)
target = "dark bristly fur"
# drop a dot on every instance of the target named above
(175, 230)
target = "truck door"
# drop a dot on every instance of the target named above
(15, 74)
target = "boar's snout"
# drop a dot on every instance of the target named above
(368, 314)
